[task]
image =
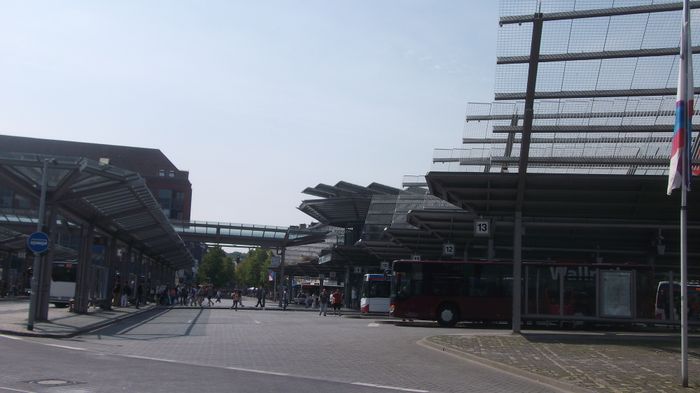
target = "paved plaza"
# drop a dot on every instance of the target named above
(293, 350)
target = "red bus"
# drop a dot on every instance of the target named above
(452, 291)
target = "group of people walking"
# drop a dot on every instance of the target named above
(123, 295)
(335, 299)
(207, 295)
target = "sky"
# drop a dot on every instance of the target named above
(256, 99)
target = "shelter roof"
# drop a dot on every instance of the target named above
(342, 205)
(570, 214)
(137, 159)
(609, 197)
(115, 200)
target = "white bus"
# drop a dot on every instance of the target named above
(63, 276)
(376, 290)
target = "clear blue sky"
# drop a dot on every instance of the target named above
(257, 99)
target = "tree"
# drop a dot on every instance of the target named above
(252, 271)
(216, 268)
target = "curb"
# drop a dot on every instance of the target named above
(551, 382)
(78, 331)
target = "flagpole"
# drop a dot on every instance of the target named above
(684, 286)
(687, 96)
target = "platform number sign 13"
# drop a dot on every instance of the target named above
(448, 249)
(482, 228)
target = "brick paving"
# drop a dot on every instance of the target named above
(576, 361)
(600, 362)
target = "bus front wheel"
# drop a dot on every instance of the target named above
(447, 315)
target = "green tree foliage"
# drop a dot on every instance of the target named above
(252, 271)
(216, 268)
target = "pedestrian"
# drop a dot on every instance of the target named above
(193, 297)
(323, 301)
(116, 293)
(336, 301)
(260, 294)
(235, 297)
(183, 295)
(126, 292)
(200, 295)
(240, 298)
(218, 296)
(210, 294)
(285, 299)
(139, 295)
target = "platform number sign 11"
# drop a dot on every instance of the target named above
(482, 228)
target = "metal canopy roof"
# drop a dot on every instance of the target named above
(608, 197)
(337, 211)
(115, 200)
(345, 204)
(572, 214)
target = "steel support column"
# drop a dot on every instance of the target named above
(82, 282)
(522, 168)
(44, 290)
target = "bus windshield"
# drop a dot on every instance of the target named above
(65, 272)
(376, 289)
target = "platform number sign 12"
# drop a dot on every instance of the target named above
(448, 249)
(482, 228)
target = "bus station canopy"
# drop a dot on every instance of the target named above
(115, 200)
(342, 205)
(574, 214)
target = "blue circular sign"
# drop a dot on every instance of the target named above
(38, 242)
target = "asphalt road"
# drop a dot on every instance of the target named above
(247, 351)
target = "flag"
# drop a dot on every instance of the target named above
(679, 171)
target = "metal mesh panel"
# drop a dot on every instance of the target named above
(514, 40)
(525, 7)
(379, 216)
(613, 135)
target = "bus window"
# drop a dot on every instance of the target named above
(402, 285)
(663, 301)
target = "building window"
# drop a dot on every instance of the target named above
(165, 198)
(23, 203)
(161, 173)
(6, 197)
(171, 173)
(179, 202)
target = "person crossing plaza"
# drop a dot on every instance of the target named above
(336, 301)
(260, 294)
(323, 301)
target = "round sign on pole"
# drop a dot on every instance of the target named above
(38, 242)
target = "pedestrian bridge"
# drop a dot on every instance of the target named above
(247, 234)
(16, 225)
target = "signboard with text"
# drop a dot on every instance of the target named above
(448, 249)
(482, 228)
